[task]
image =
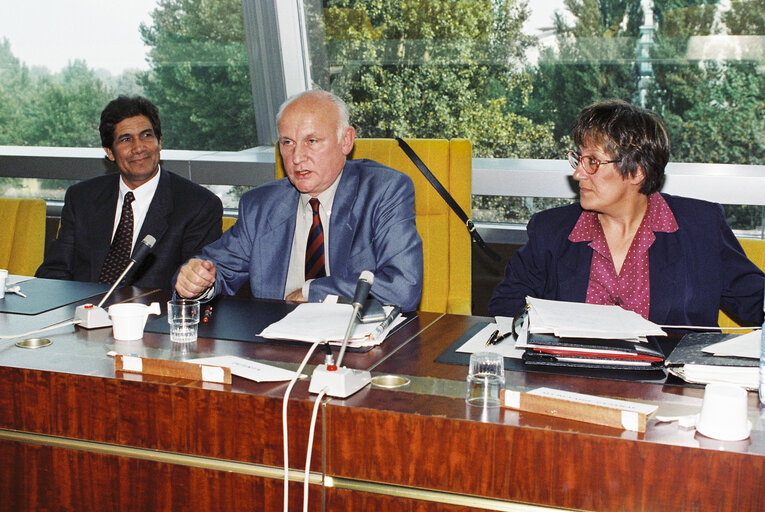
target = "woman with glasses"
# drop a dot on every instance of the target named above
(671, 259)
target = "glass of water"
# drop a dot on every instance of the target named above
(183, 317)
(486, 377)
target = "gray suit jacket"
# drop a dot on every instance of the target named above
(372, 227)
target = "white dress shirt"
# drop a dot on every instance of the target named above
(303, 220)
(143, 197)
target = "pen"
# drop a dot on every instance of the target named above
(386, 323)
(491, 339)
(501, 337)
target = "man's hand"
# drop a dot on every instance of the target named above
(194, 278)
(296, 296)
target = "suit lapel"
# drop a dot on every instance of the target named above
(276, 243)
(666, 274)
(576, 267)
(342, 224)
(160, 209)
(101, 224)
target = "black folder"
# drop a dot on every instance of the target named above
(551, 350)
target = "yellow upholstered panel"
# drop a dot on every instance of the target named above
(228, 222)
(446, 243)
(755, 251)
(22, 236)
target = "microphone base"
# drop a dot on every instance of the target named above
(92, 317)
(339, 383)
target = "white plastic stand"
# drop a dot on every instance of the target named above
(339, 383)
(92, 317)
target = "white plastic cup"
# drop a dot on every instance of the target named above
(128, 320)
(3, 279)
(486, 377)
(183, 317)
(723, 413)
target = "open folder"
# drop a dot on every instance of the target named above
(318, 321)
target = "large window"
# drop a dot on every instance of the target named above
(510, 75)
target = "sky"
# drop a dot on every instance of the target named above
(104, 33)
(52, 33)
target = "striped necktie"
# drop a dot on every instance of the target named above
(118, 256)
(314, 251)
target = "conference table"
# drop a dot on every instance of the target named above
(75, 434)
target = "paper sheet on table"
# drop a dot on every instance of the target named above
(317, 321)
(582, 320)
(247, 369)
(478, 343)
(745, 345)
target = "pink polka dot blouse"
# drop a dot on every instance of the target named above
(630, 288)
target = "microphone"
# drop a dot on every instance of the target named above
(144, 249)
(362, 288)
(359, 298)
(139, 255)
(336, 380)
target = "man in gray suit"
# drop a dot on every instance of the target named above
(311, 234)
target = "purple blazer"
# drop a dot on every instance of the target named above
(693, 272)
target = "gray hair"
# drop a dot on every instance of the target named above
(340, 107)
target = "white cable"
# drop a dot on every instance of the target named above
(54, 326)
(284, 421)
(310, 445)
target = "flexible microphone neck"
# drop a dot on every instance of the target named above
(140, 254)
(363, 285)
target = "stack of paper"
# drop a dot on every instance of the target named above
(705, 358)
(318, 321)
(577, 334)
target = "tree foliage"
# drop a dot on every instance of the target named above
(438, 69)
(594, 59)
(199, 77)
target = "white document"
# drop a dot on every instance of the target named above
(318, 321)
(478, 343)
(247, 369)
(582, 320)
(745, 345)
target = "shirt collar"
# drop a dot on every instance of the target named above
(658, 218)
(143, 191)
(326, 198)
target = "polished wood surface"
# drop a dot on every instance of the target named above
(155, 443)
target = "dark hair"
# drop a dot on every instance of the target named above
(122, 108)
(633, 135)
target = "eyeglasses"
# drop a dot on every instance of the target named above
(590, 164)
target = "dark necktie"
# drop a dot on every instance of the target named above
(314, 251)
(119, 253)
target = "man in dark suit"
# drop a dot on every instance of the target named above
(108, 215)
(362, 211)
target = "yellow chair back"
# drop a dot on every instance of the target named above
(446, 286)
(228, 222)
(22, 237)
(755, 251)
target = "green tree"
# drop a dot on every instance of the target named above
(66, 109)
(594, 60)
(199, 77)
(713, 107)
(436, 68)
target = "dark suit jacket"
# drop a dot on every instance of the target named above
(183, 217)
(372, 227)
(693, 271)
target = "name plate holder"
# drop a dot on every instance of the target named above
(176, 369)
(619, 414)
